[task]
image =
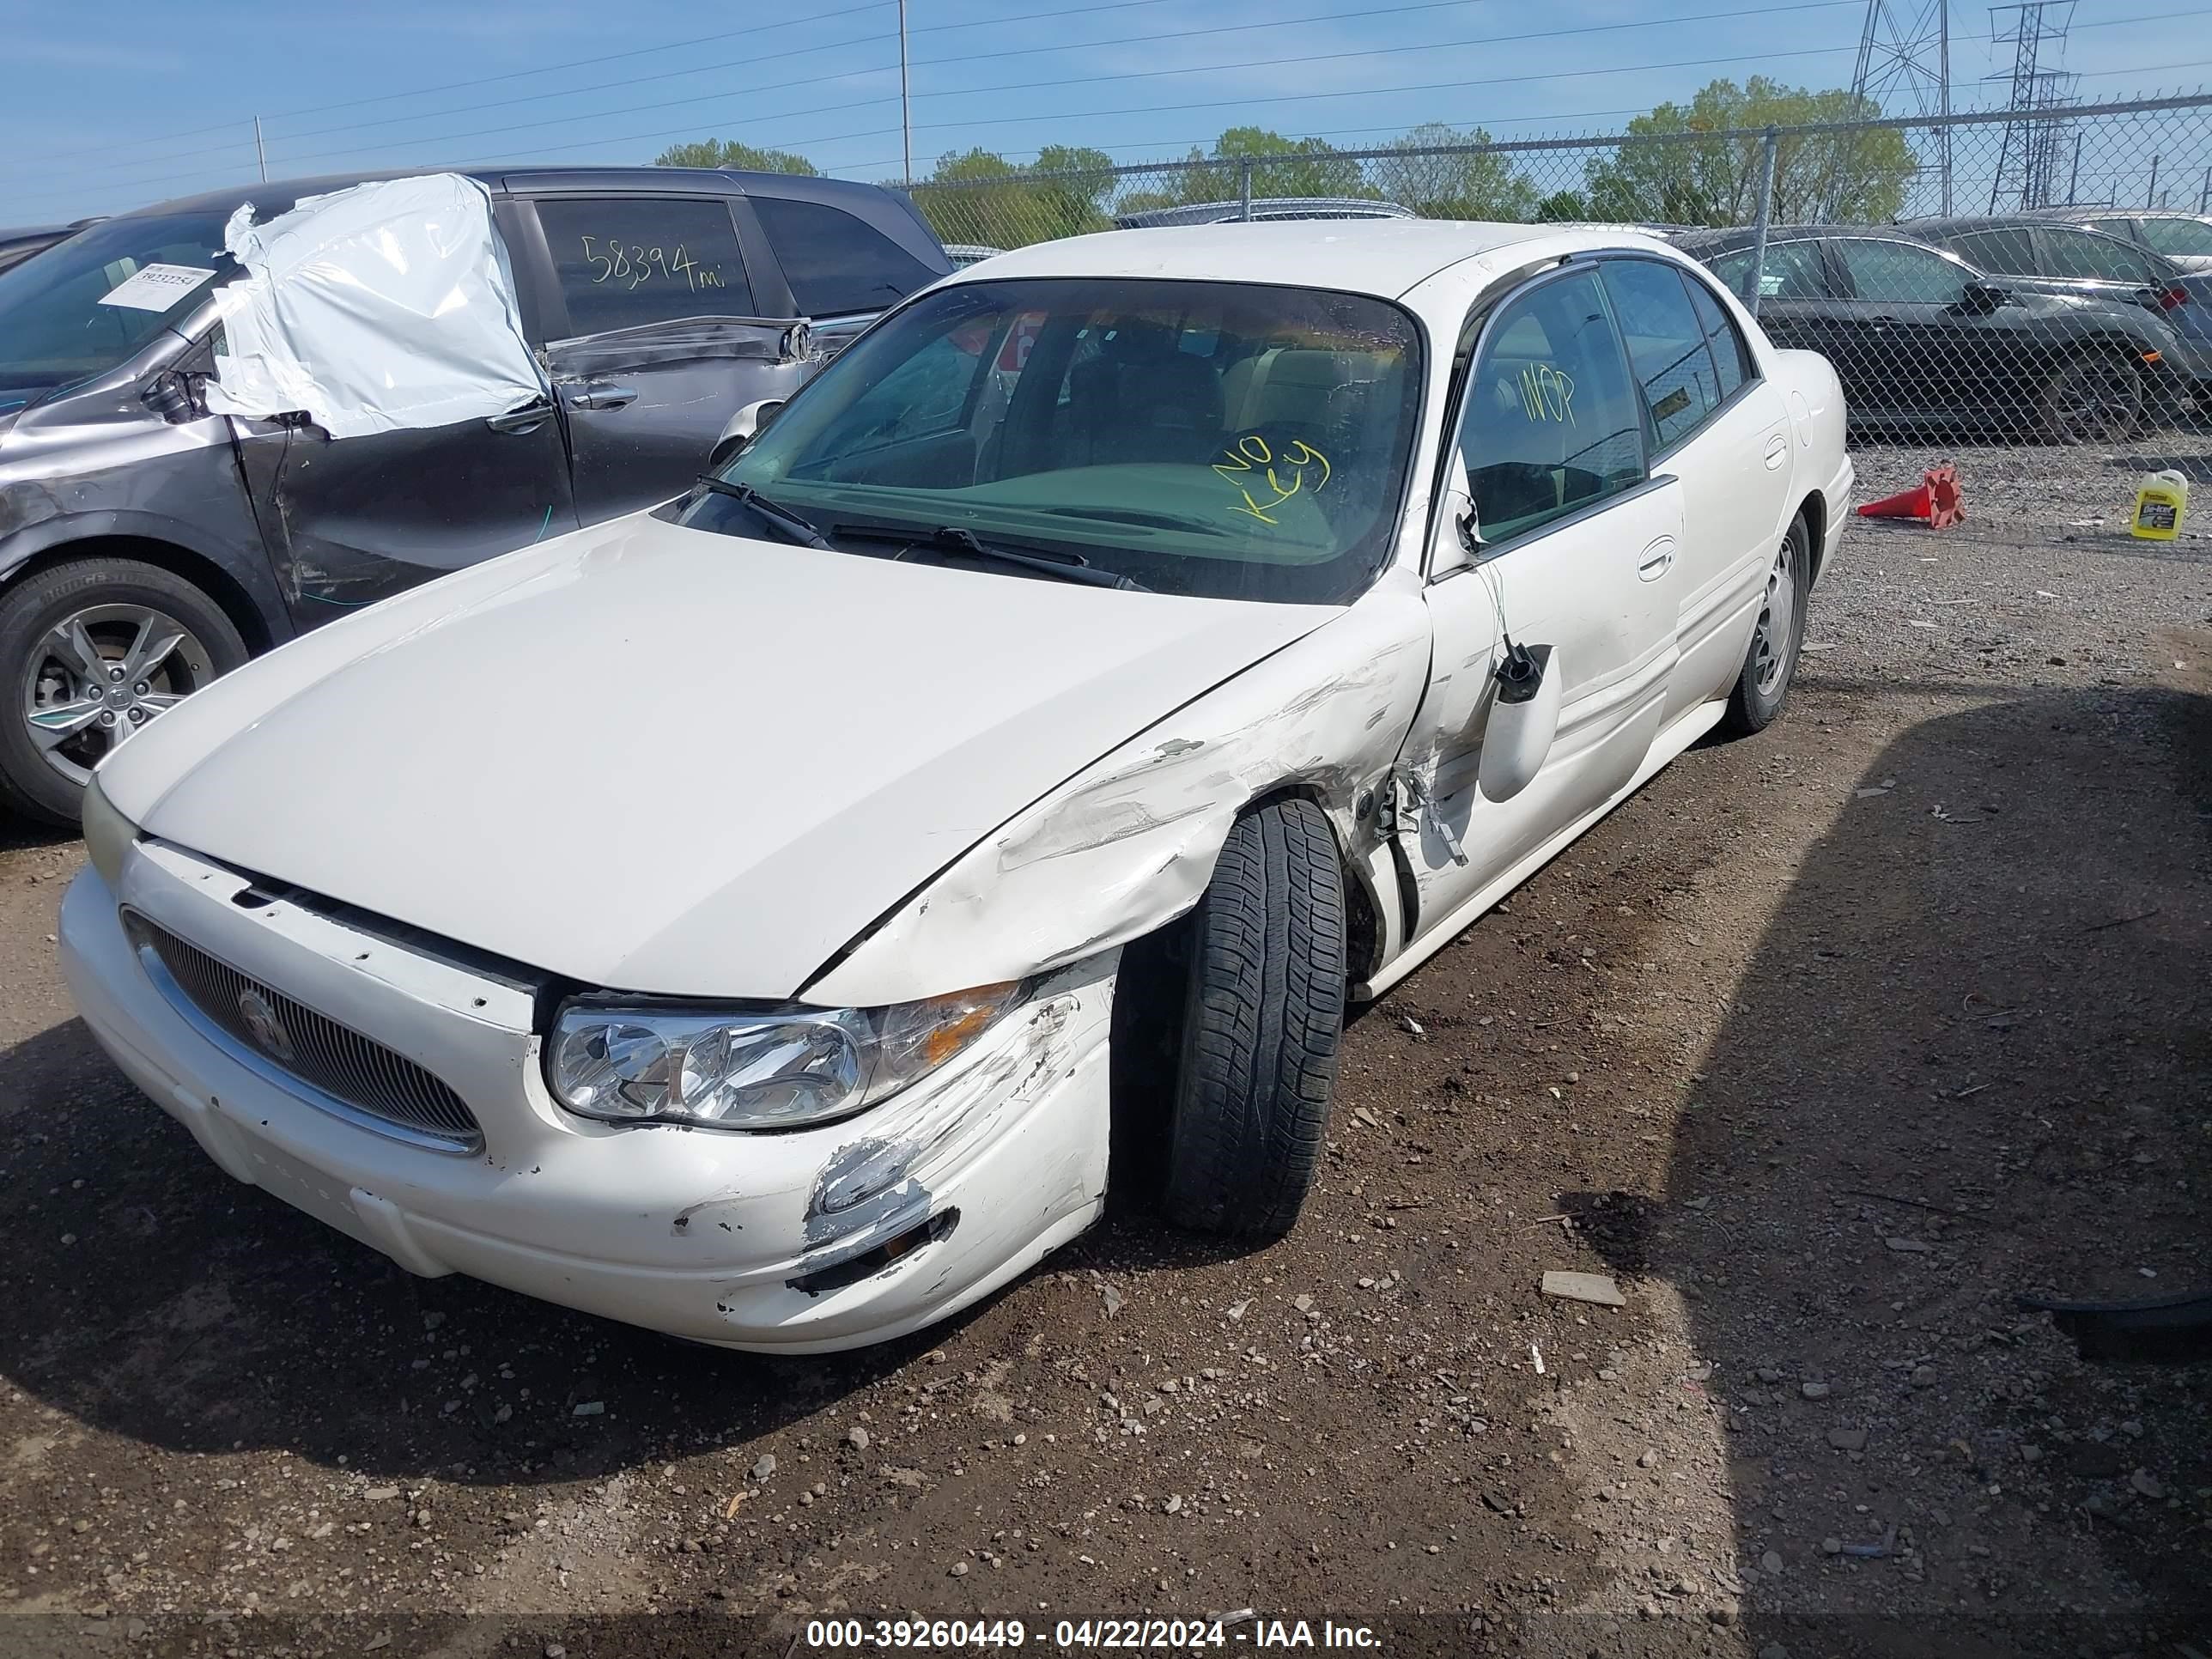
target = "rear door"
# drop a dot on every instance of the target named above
(655, 339)
(2098, 265)
(1724, 431)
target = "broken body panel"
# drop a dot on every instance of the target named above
(996, 779)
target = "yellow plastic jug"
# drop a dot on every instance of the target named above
(2160, 501)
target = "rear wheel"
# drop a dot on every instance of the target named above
(1763, 685)
(1262, 1017)
(2094, 398)
(91, 651)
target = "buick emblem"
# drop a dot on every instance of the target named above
(262, 1025)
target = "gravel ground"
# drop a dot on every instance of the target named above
(1823, 1046)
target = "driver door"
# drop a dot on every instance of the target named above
(1577, 549)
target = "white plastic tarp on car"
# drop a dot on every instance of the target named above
(379, 307)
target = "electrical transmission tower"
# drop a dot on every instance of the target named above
(1905, 67)
(2028, 158)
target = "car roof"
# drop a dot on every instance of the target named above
(1965, 222)
(280, 193)
(2080, 212)
(1382, 257)
(1265, 210)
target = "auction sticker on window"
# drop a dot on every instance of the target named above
(157, 287)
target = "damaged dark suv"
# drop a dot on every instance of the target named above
(149, 544)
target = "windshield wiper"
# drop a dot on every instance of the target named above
(1067, 566)
(793, 527)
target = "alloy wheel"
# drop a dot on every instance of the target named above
(1778, 620)
(100, 674)
(2096, 401)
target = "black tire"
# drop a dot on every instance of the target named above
(2091, 397)
(1762, 685)
(1262, 1022)
(29, 783)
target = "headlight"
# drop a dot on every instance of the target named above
(766, 1071)
(108, 833)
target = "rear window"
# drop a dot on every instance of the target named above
(2192, 237)
(836, 262)
(1792, 271)
(2086, 253)
(626, 262)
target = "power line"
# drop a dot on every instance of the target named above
(1146, 75)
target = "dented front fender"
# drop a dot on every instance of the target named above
(1129, 843)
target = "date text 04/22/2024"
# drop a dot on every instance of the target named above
(1085, 1634)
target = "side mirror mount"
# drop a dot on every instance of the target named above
(743, 427)
(1524, 718)
(1459, 535)
(1980, 298)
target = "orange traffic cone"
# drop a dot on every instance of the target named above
(1936, 500)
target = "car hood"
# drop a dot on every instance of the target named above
(657, 759)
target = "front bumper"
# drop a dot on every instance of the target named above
(697, 1233)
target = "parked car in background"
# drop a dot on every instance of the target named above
(2050, 256)
(1264, 210)
(2183, 237)
(1921, 339)
(1306, 594)
(19, 244)
(2030, 254)
(148, 545)
(965, 254)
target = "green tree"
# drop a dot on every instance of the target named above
(730, 152)
(1714, 180)
(1562, 206)
(977, 196)
(1463, 185)
(1281, 167)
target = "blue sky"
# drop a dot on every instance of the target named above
(122, 103)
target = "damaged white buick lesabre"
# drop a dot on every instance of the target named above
(776, 919)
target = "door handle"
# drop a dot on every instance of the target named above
(1657, 557)
(528, 418)
(599, 396)
(1778, 450)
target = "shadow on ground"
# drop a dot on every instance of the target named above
(1970, 1057)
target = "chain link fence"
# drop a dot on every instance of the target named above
(1995, 276)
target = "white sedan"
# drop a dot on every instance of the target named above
(775, 919)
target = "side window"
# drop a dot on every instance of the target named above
(1667, 346)
(1550, 422)
(1901, 273)
(2001, 252)
(2085, 253)
(2189, 237)
(835, 262)
(1731, 357)
(2119, 228)
(1792, 271)
(623, 261)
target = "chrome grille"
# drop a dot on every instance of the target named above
(342, 1070)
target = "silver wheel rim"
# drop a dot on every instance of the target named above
(100, 675)
(2095, 401)
(1777, 623)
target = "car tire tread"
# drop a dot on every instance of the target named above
(1261, 1027)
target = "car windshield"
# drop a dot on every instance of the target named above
(1219, 440)
(84, 305)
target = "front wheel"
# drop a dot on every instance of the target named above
(91, 651)
(1262, 1017)
(1763, 684)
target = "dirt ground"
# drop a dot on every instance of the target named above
(1825, 1046)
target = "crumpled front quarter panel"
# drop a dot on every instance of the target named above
(1129, 844)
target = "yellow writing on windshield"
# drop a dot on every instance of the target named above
(1546, 394)
(1252, 462)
